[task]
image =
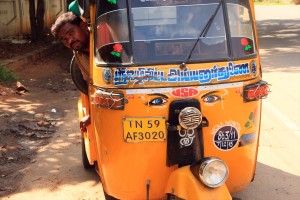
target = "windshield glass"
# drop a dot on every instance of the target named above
(241, 30)
(165, 32)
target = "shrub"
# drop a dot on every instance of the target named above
(6, 76)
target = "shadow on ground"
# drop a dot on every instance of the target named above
(279, 45)
(282, 185)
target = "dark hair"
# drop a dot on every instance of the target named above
(68, 17)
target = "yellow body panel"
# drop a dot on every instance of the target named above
(89, 138)
(184, 185)
(126, 167)
(132, 164)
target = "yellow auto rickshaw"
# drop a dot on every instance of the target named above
(174, 97)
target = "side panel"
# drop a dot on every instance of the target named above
(232, 135)
(89, 136)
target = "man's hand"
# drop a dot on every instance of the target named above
(84, 122)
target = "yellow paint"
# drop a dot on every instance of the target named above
(182, 183)
(125, 167)
(89, 138)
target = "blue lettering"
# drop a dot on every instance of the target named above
(172, 76)
(123, 76)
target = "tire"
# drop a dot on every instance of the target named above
(107, 197)
(77, 77)
(85, 161)
(173, 197)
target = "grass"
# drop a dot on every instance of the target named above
(7, 76)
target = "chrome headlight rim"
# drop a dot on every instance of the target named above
(193, 111)
(204, 166)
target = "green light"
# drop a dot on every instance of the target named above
(248, 47)
(112, 1)
(117, 54)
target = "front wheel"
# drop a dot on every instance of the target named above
(107, 197)
(85, 161)
(173, 197)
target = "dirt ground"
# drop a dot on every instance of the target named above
(29, 119)
(48, 161)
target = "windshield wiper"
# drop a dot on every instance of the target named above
(202, 34)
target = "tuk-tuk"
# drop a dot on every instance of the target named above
(174, 98)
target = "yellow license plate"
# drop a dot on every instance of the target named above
(150, 129)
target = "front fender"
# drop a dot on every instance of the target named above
(183, 184)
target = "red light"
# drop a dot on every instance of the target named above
(108, 100)
(95, 100)
(256, 91)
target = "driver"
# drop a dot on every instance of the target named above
(73, 32)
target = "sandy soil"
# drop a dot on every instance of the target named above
(30, 121)
(40, 140)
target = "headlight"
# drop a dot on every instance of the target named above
(213, 172)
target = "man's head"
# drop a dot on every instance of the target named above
(71, 31)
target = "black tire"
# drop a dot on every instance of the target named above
(107, 197)
(85, 161)
(77, 77)
(173, 197)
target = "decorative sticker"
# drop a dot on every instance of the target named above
(117, 50)
(247, 139)
(157, 99)
(226, 136)
(112, 1)
(130, 96)
(107, 75)
(245, 43)
(253, 68)
(252, 119)
(187, 137)
(185, 92)
(124, 76)
(212, 97)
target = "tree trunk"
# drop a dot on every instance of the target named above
(32, 21)
(40, 20)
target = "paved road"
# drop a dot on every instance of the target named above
(278, 169)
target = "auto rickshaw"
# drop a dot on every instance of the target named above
(174, 97)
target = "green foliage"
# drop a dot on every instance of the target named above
(6, 76)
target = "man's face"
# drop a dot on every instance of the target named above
(74, 36)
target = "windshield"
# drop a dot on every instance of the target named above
(166, 31)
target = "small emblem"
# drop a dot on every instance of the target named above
(117, 50)
(107, 75)
(246, 44)
(185, 92)
(112, 1)
(254, 68)
(187, 137)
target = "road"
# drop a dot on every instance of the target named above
(57, 173)
(278, 169)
